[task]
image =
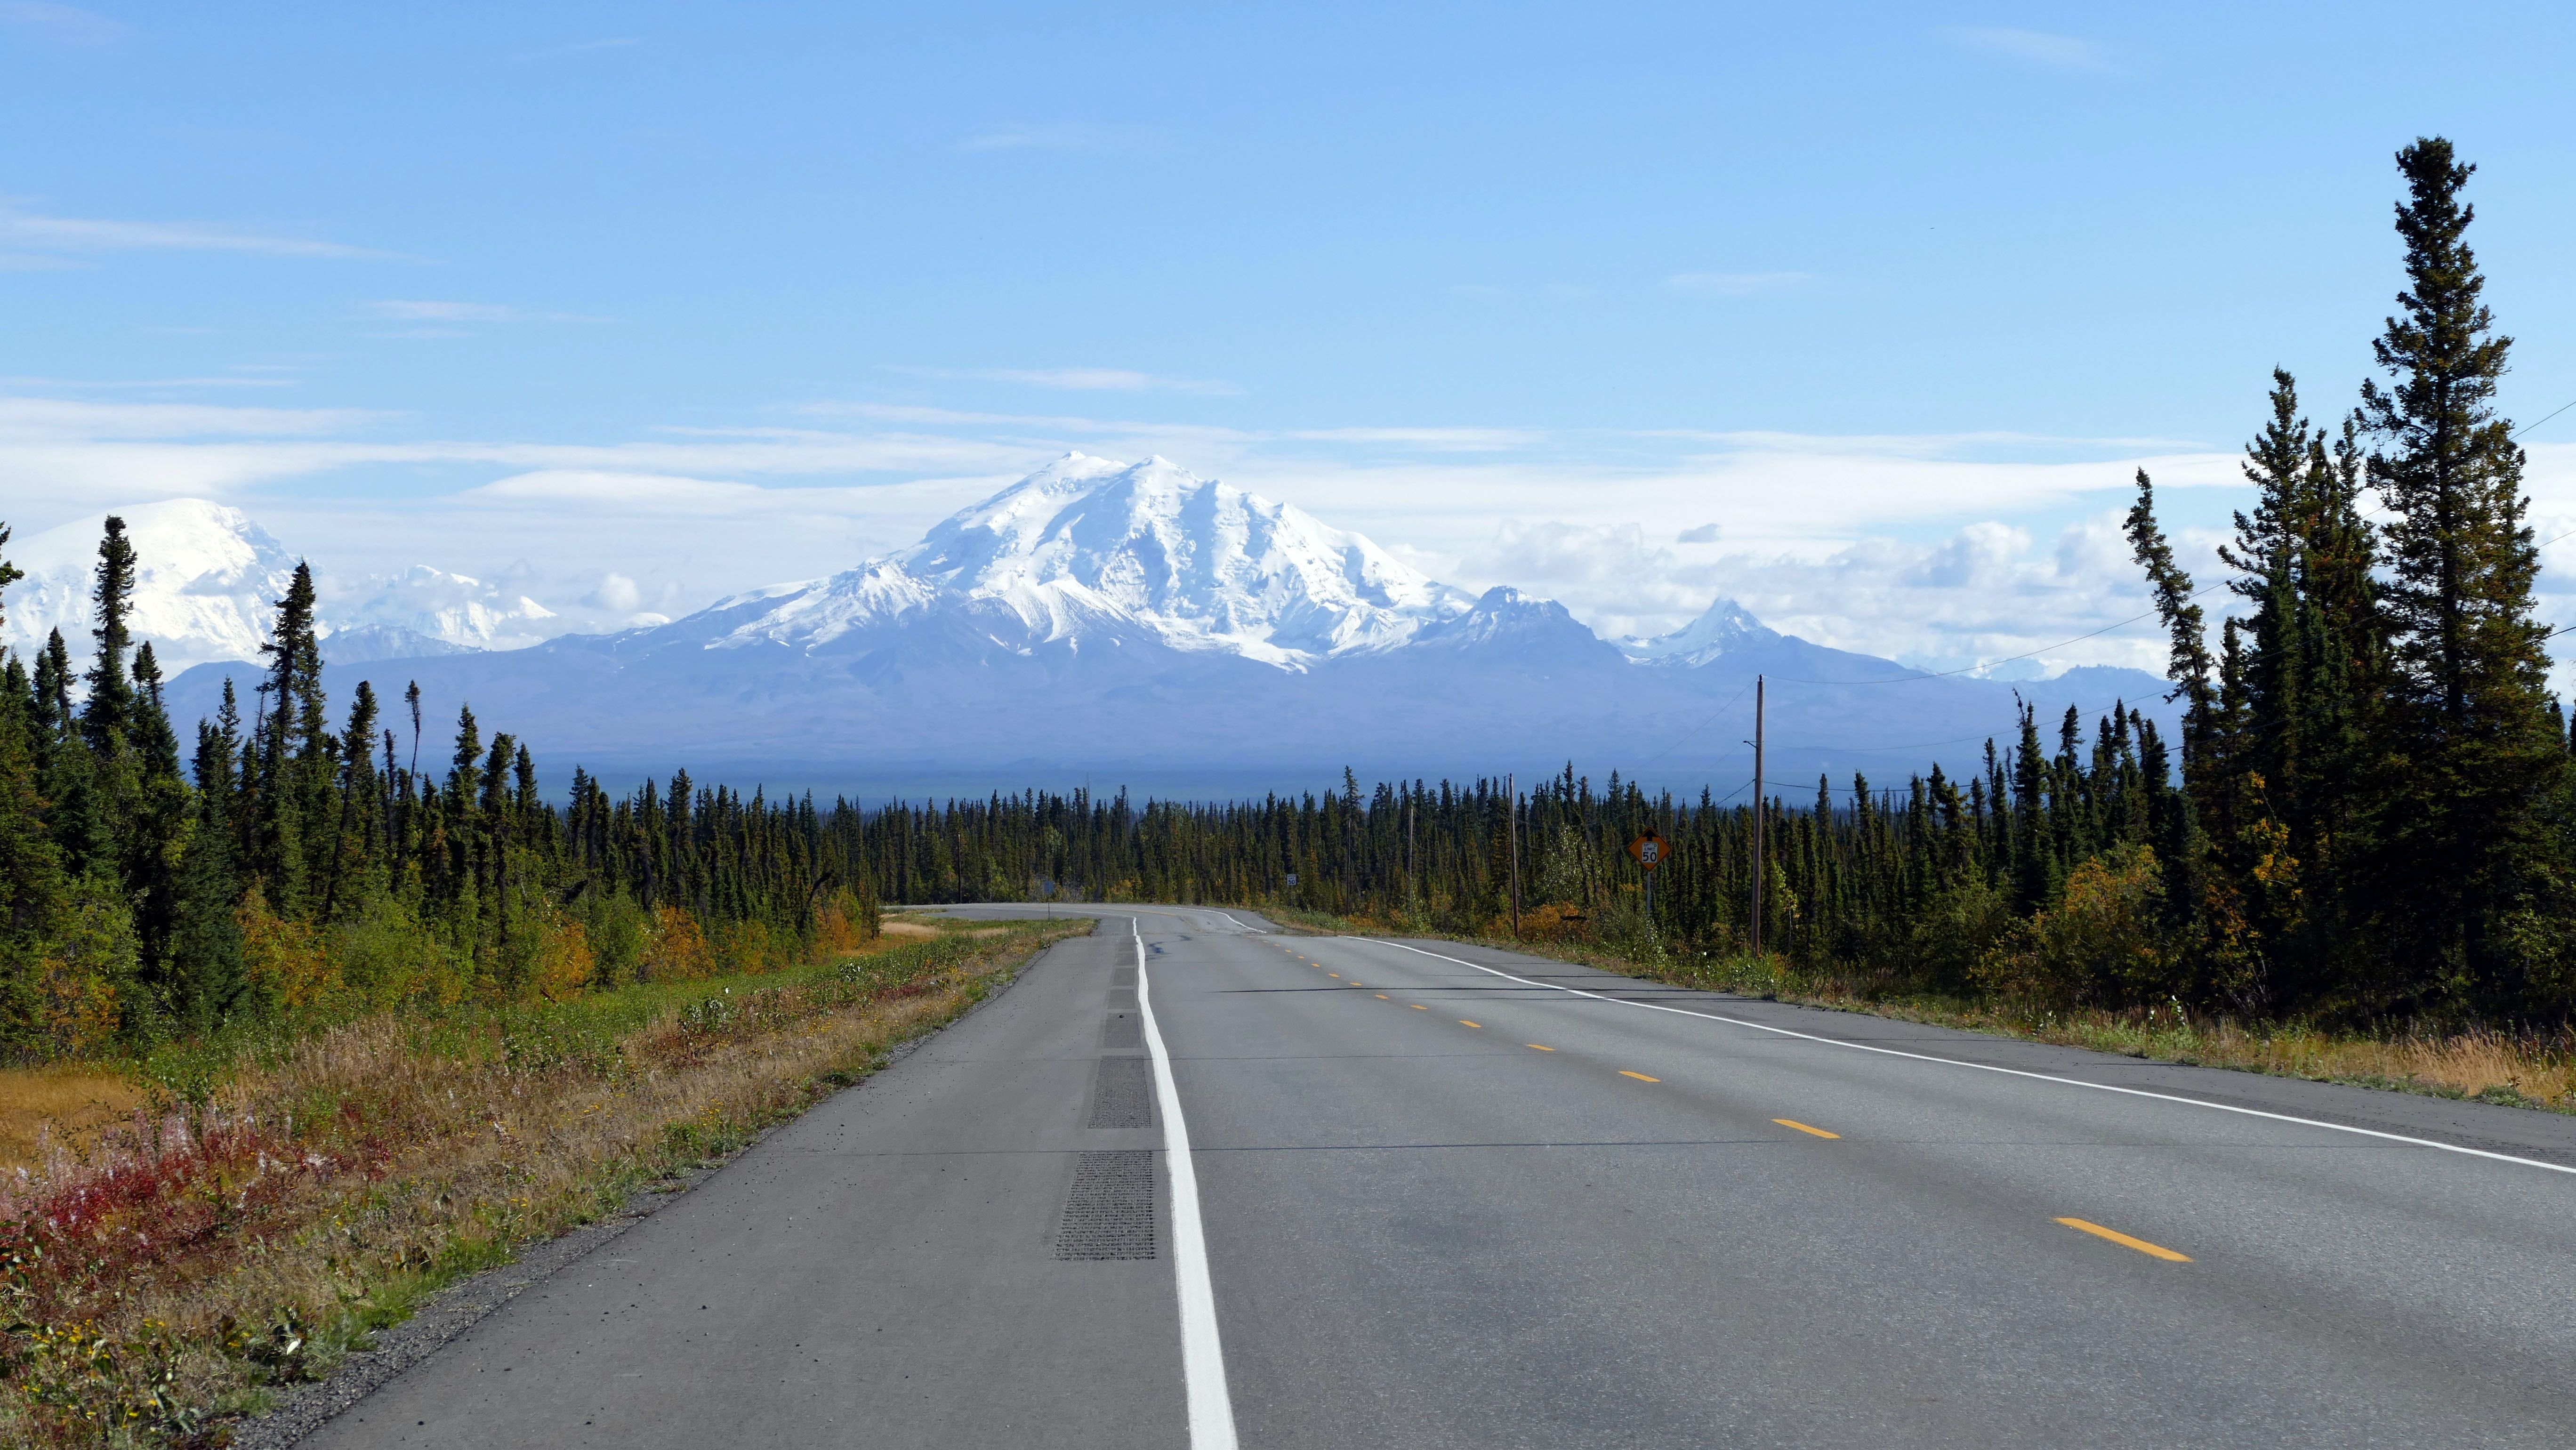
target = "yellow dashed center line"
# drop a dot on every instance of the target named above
(1803, 1128)
(1332, 974)
(1381, 996)
(1463, 1022)
(1418, 1007)
(1639, 1076)
(1540, 1047)
(2114, 1235)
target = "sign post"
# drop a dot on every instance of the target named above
(1651, 851)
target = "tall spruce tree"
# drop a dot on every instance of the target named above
(2460, 824)
(107, 717)
(291, 725)
(207, 979)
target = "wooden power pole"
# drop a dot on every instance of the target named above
(1758, 798)
(1512, 802)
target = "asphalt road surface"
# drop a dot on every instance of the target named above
(1429, 1197)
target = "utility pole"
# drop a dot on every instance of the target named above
(1512, 800)
(1412, 869)
(1758, 689)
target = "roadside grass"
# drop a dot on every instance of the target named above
(60, 1108)
(274, 1202)
(2528, 1068)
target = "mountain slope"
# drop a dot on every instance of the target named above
(207, 583)
(1086, 546)
(1135, 624)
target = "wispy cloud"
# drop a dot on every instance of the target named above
(91, 234)
(61, 23)
(2058, 52)
(1066, 136)
(582, 47)
(400, 311)
(225, 380)
(432, 319)
(1739, 284)
(1100, 380)
(1446, 440)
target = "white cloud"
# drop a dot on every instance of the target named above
(60, 420)
(1445, 440)
(1106, 380)
(89, 234)
(1066, 136)
(2059, 52)
(442, 311)
(584, 47)
(1739, 284)
(1703, 534)
(400, 310)
(615, 593)
(62, 23)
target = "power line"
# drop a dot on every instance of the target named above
(1695, 729)
(2552, 413)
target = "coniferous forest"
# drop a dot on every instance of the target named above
(2368, 810)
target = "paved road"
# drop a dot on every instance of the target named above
(1451, 1206)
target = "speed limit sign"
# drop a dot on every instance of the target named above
(1650, 850)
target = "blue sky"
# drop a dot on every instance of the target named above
(1896, 296)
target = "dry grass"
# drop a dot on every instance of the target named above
(253, 1239)
(45, 1111)
(2531, 1069)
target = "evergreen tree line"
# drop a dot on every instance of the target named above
(288, 866)
(2368, 809)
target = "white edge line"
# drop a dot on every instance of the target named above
(1202, 1352)
(1988, 1067)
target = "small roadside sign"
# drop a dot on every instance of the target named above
(1292, 878)
(1650, 849)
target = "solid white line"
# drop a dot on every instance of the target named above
(1202, 1353)
(1988, 1067)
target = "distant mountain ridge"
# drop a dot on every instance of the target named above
(1134, 623)
(207, 582)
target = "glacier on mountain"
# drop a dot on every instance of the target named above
(1087, 544)
(205, 579)
(207, 582)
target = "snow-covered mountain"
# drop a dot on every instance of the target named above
(1138, 624)
(207, 582)
(1725, 628)
(1089, 547)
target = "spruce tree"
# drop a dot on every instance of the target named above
(290, 727)
(107, 716)
(207, 979)
(31, 869)
(2461, 824)
(54, 691)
